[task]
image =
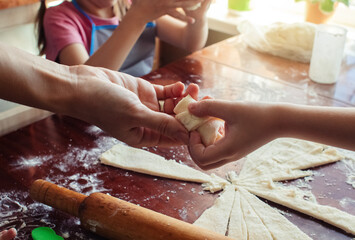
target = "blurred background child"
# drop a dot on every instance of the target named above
(119, 34)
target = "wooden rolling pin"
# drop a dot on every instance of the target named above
(117, 219)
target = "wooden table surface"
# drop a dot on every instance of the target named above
(65, 151)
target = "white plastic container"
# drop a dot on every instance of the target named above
(327, 54)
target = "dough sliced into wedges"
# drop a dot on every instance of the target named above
(279, 226)
(216, 217)
(237, 228)
(141, 161)
(282, 159)
(283, 196)
(314, 158)
(256, 228)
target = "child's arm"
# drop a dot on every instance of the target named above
(251, 125)
(188, 36)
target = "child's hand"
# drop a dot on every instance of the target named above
(247, 127)
(153, 9)
(8, 234)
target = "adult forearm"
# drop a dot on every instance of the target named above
(32, 80)
(328, 125)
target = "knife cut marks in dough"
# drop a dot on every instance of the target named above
(141, 161)
(279, 226)
(256, 228)
(216, 218)
(237, 228)
(285, 197)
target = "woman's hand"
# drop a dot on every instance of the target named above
(128, 107)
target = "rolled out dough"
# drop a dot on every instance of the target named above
(237, 228)
(256, 228)
(279, 226)
(141, 161)
(331, 215)
(216, 218)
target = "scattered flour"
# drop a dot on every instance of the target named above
(350, 171)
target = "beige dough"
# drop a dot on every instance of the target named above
(293, 200)
(256, 228)
(209, 131)
(279, 226)
(216, 217)
(208, 127)
(292, 41)
(237, 228)
(283, 159)
(141, 161)
(195, 7)
(190, 121)
(138, 160)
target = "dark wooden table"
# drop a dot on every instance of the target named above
(65, 151)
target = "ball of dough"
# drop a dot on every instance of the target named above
(193, 8)
(210, 129)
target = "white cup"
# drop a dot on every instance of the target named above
(327, 53)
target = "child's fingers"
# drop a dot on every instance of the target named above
(210, 107)
(178, 15)
(192, 90)
(169, 91)
(218, 154)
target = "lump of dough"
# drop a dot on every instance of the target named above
(211, 129)
(190, 121)
(183, 104)
(292, 41)
(193, 8)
